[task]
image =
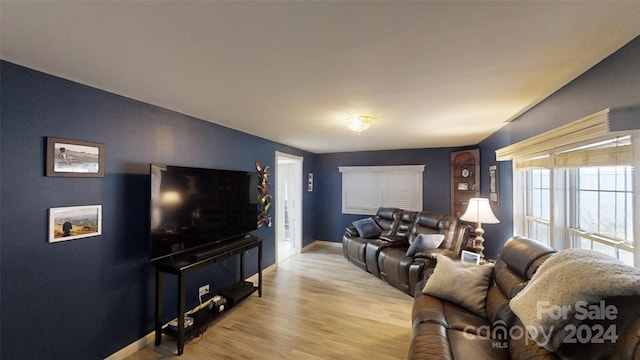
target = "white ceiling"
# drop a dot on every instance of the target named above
(433, 73)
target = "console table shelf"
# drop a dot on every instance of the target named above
(181, 267)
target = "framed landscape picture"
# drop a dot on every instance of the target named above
(494, 184)
(74, 158)
(74, 222)
(470, 257)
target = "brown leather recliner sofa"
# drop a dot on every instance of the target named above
(353, 246)
(443, 329)
(385, 255)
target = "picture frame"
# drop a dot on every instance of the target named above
(463, 186)
(470, 257)
(74, 222)
(74, 158)
(494, 184)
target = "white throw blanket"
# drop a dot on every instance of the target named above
(571, 278)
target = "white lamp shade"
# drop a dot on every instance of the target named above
(479, 211)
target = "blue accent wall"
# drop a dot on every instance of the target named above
(88, 298)
(436, 191)
(614, 82)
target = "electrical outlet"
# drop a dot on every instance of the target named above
(203, 290)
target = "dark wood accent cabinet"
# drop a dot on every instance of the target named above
(465, 179)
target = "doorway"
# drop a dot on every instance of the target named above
(288, 205)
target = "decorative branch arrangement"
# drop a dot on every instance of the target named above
(264, 198)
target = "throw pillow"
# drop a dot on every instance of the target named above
(425, 242)
(461, 283)
(367, 228)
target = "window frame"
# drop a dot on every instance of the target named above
(528, 200)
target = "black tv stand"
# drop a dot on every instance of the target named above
(181, 267)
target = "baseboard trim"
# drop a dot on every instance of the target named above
(133, 347)
(321, 243)
(254, 278)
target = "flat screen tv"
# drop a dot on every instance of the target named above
(195, 209)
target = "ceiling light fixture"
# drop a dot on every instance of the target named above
(359, 123)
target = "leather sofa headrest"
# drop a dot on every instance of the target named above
(408, 216)
(524, 255)
(427, 222)
(386, 213)
(430, 220)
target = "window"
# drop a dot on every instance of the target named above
(575, 187)
(366, 188)
(600, 202)
(538, 210)
(603, 203)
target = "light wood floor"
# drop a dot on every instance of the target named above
(315, 305)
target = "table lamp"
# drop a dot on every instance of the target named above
(479, 211)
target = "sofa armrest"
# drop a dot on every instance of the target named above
(431, 254)
(351, 231)
(394, 239)
(629, 342)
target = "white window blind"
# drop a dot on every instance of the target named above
(587, 129)
(536, 162)
(615, 151)
(366, 188)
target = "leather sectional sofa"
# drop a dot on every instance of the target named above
(444, 329)
(385, 255)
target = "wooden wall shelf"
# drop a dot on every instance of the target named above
(465, 179)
